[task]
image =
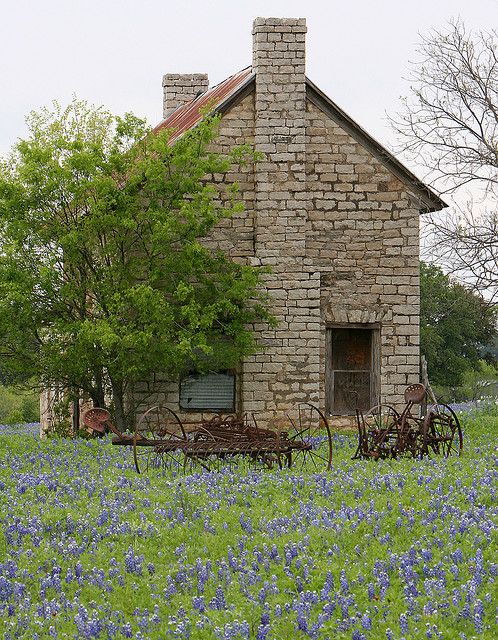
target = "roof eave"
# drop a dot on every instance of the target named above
(241, 92)
(429, 200)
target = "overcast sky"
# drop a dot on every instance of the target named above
(114, 52)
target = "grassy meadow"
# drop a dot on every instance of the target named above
(370, 550)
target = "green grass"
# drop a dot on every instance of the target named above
(397, 548)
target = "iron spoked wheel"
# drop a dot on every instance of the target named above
(380, 435)
(442, 432)
(309, 439)
(158, 434)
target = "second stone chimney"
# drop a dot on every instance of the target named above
(180, 88)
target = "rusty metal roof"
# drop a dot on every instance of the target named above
(188, 115)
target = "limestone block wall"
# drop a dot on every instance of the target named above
(287, 372)
(235, 235)
(363, 235)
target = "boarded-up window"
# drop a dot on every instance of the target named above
(210, 392)
(351, 369)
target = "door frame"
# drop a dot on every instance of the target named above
(375, 329)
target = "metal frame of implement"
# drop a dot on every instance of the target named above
(385, 433)
(162, 439)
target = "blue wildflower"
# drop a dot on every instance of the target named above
(478, 616)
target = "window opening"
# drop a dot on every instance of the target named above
(208, 392)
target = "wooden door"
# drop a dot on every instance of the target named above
(351, 369)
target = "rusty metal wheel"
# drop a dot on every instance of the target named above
(309, 440)
(380, 433)
(158, 437)
(442, 433)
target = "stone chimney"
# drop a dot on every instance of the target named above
(180, 88)
(278, 62)
(289, 371)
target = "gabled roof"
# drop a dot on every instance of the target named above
(221, 97)
(188, 115)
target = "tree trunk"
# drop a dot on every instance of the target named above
(119, 408)
(97, 393)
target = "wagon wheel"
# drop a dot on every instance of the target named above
(310, 438)
(442, 432)
(157, 435)
(381, 431)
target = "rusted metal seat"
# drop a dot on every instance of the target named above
(415, 393)
(96, 419)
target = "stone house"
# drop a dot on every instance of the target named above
(335, 216)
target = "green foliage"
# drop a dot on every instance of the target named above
(455, 325)
(481, 382)
(18, 406)
(104, 275)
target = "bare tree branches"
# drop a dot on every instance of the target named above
(451, 118)
(466, 246)
(451, 121)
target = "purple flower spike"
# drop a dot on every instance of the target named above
(478, 616)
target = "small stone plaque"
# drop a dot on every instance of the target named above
(281, 138)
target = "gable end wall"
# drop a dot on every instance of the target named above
(363, 234)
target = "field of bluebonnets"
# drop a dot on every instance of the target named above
(388, 549)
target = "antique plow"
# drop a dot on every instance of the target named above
(385, 433)
(162, 439)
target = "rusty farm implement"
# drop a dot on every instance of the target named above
(385, 433)
(162, 439)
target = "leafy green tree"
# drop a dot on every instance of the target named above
(455, 325)
(105, 278)
(18, 406)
